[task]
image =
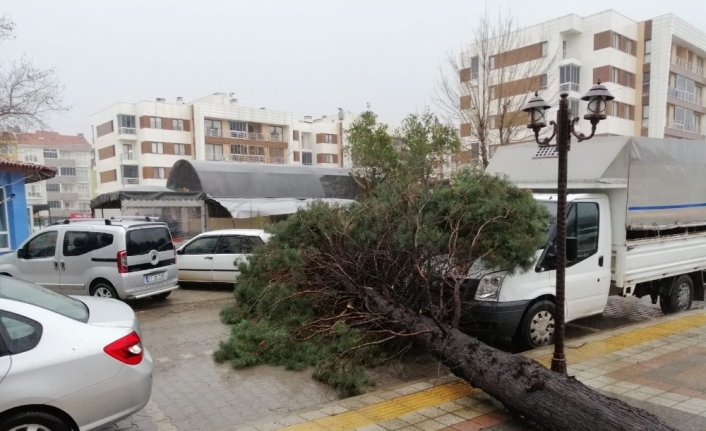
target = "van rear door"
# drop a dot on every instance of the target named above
(150, 252)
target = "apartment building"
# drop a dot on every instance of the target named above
(138, 143)
(654, 68)
(69, 193)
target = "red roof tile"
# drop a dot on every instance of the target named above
(51, 139)
(32, 172)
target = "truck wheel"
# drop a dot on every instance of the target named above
(537, 326)
(680, 296)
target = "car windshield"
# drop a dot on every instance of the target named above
(22, 291)
(551, 207)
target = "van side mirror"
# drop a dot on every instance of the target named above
(572, 249)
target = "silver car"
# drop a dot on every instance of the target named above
(125, 259)
(68, 364)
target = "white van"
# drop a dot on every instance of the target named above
(121, 259)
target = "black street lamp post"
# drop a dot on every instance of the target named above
(563, 128)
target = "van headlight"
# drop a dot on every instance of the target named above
(489, 288)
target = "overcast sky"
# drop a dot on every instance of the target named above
(308, 57)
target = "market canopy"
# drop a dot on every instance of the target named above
(142, 193)
(259, 180)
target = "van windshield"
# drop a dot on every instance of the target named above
(22, 291)
(142, 241)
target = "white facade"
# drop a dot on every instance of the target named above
(621, 52)
(216, 128)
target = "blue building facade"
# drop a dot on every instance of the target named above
(14, 213)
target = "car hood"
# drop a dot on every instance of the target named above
(110, 313)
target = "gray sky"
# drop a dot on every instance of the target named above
(309, 57)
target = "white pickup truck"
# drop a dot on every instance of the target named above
(636, 225)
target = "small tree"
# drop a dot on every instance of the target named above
(28, 94)
(484, 87)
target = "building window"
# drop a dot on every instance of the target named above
(543, 81)
(614, 108)
(51, 154)
(213, 127)
(82, 175)
(545, 49)
(67, 188)
(31, 157)
(157, 148)
(54, 204)
(126, 122)
(180, 149)
(574, 107)
(155, 122)
(53, 188)
(84, 207)
(69, 205)
(84, 192)
(616, 75)
(569, 77)
(214, 152)
(329, 138)
(306, 158)
(158, 173)
(4, 223)
(616, 41)
(33, 191)
(130, 172)
(177, 124)
(645, 115)
(492, 62)
(67, 172)
(648, 51)
(645, 83)
(327, 158)
(256, 151)
(237, 126)
(238, 149)
(474, 67)
(275, 132)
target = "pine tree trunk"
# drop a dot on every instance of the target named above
(523, 386)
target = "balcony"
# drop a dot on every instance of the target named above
(234, 134)
(131, 181)
(127, 131)
(689, 67)
(128, 157)
(213, 132)
(571, 53)
(683, 126)
(682, 95)
(569, 86)
(246, 158)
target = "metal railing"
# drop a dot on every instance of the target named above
(682, 95)
(569, 86)
(246, 158)
(131, 181)
(127, 131)
(570, 53)
(275, 137)
(683, 126)
(127, 156)
(216, 157)
(688, 66)
(213, 132)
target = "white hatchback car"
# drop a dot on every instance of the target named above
(68, 364)
(213, 257)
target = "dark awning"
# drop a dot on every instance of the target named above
(142, 193)
(255, 180)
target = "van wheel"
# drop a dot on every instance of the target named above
(40, 421)
(537, 326)
(680, 296)
(104, 290)
(161, 296)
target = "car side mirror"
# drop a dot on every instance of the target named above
(180, 251)
(572, 249)
(21, 253)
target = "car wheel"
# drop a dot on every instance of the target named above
(161, 296)
(104, 290)
(34, 421)
(537, 326)
(680, 297)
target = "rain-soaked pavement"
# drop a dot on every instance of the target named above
(193, 393)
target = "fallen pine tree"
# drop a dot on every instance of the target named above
(342, 289)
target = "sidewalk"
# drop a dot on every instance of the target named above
(659, 366)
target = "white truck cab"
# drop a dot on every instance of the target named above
(636, 225)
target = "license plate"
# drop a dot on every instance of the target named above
(155, 277)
